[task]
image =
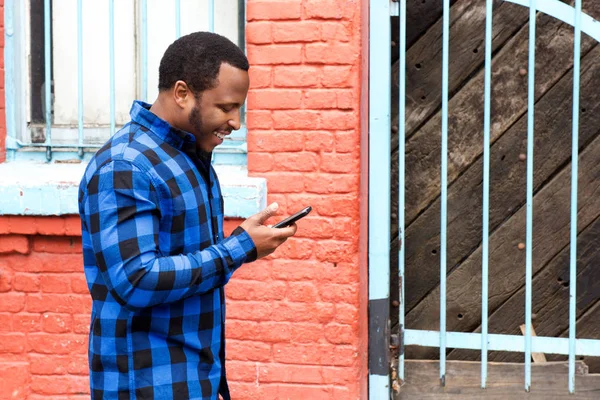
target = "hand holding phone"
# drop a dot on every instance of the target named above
(290, 220)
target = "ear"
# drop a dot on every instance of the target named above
(182, 94)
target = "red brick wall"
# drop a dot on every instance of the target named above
(296, 321)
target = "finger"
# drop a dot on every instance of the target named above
(265, 214)
(287, 231)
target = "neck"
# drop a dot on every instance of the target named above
(163, 110)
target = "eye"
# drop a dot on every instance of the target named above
(226, 108)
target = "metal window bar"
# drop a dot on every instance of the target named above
(379, 125)
(236, 147)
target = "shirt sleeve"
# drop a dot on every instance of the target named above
(123, 217)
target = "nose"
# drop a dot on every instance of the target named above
(235, 122)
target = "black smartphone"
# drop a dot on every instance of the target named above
(290, 220)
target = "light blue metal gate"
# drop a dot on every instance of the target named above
(379, 195)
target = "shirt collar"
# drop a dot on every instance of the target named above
(141, 114)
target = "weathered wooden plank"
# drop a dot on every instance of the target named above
(508, 181)
(550, 298)
(509, 103)
(505, 381)
(507, 264)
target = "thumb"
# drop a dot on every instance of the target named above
(267, 213)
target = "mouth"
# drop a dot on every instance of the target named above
(221, 134)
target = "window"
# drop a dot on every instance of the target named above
(88, 60)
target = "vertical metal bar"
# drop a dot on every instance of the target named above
(10, 37)
(444, 188)
(529, 227)
(80, 75)
(177, 19)
(111, 33)
(379, 197)
(486, 190)
(574, 174)
(48, 76)
(401, 174)
(144, 50)
(211, 15)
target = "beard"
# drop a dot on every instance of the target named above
(195, 119)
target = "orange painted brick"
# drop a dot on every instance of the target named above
(319, 140)
(338, 162)
(242, 371)
(304, 31)
(14, 381)
(336, 31)
(275, 99)
(295, 249)
(302, 312)
(244, 390)
(345, 100)
(274, 332)
(296, 119)
(328, 9)
(336, 251)
(78, 365)
(55, 283)
(24, 282)
(46, 262)
(288, 391)
(339, 293)
(341, 334)
(259, 32)
(317, 99)
(347, 141)
(237, 329)
(57, 323)
(79, 284)
(284, 182)
(346, 313)
(346, 228)
(50, 343)
(338, 76)
(337, 205)
(260, 76)
(305, 332)
(49, 364)
(260, 162)
(59, 303)
(297, 353)
(258, 119)
(81, 323)
(337, 119)
(286, 373)
(274, 141)
(297, 76)
(244, 350)
(6, 322)
(57, 244)
(247, 310)
(331, 183)
(254, 271)
(68, 384)
(315, 228)
(12, 302)
(295, 270)
(14, 244)
(331, 53)
(255, 290)
(303, 161)
(6, 279)
(72, 225)
(23, 322)
(302, 292)
(340, 272)
(273, 10)
(12, 342)
(275, 54)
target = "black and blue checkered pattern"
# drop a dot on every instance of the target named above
(156, 262)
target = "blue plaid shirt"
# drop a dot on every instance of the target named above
(156, 262)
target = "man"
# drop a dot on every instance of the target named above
(155, 257)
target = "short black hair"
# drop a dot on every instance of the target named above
(196, 59)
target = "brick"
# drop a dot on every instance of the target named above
(325, 183)
(273, 10)
(14, 244)
(78, 365)
(259, 32)
(337, 206)
(274, 332)
(302, 312)
(12, 302)
(49, 343)
(58, 303)
(55, 283)
(335, 31)
(297, 76)
(57, 323)
(336, 251)
(253, 271)
(295, 249)
(315, 228)
(288, 391)
(346, 313)
(338, 162)
(273, 141)
(302, 292)
(295, 270)
(26, 282)
(6, 322)
(49, 364)
(24, 322)
(275, 54)
(304, 332)
(304, 31)
(284, 182)
(338, 76)
(296, 119)
(51, 226)
(328, 9)
(260, 76)
(347, 142)
(331, 53)
(79, 284)
(336, 119)
(15, 380)
(260, 162)
(275, 99)
(258, 119)
(46, 262)
(303, 161)
(68, 384)
(238, 329)
(81, 323)
(57, 244)
(341, 334)
(285, 373)
(247, 310)
(254, 290)
(12, 342)
(319, 140)
(243, 350)
(242, 371)
(317, 99)
(339, 293)
(244, 390)
(6, 279)
(340, 272)
(302, 353)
